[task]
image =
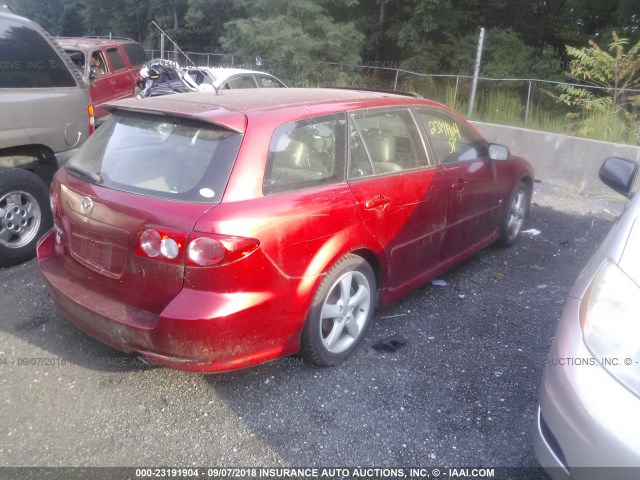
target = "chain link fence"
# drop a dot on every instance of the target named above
(530, 103)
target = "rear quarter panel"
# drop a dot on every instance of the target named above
(301, 233)
(56, 118)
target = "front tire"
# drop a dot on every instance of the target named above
(25, 215)
(514, 215)
(340, 313)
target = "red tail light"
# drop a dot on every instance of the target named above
(161, 244)
(210, 250)
(92, 120)
(198, 250)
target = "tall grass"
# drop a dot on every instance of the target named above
(507, 106)
(501, 103)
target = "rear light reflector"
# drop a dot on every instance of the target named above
(201, 250)
(216, 250)
(161, 243)
(205, 252)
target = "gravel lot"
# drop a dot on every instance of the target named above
(461, 392)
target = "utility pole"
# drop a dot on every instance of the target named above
(476, 73)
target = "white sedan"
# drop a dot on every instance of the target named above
(205, 78)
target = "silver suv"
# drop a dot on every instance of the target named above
(46, 114)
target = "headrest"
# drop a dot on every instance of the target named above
(381, 145)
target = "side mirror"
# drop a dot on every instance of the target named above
(619, 174)
(92, 78)
(498, 152)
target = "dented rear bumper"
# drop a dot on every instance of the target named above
(197, 331)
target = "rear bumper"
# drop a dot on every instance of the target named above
(587, 422)
(197, 331)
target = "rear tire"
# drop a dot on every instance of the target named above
(25, 215)
(514, 215)
(341, 312)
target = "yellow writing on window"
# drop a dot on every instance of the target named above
(446, 129)
(452, 143)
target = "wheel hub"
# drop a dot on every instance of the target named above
(16, 219)
(20, 219)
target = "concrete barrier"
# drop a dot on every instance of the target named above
(557, 159)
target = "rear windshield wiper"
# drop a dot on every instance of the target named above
(84, 173)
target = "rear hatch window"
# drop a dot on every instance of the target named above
(159, 156)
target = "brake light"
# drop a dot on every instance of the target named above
(204, 252)
(92, 120)
(200, 250)
(215, 250)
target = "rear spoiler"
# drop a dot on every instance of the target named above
(175, 107)
(380, 90)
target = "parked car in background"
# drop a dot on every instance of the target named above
(159, 77)
(214, 232)
(109, 66)
(589, 402)
(232, 78)
(45, 113)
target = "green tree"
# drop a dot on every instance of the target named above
(47, 14)
(507, 55)
(204, 23)
(615, 70)
(292, 37)
(609, 112)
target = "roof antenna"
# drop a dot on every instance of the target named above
(174, 43)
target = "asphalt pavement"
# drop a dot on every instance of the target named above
(461, 391)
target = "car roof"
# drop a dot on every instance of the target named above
(231, 108)
(91, 42)
(224, 72)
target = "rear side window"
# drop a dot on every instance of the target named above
(267, 82)
(161, 157)
(305, 154)
(28, 61)
(242, 81)
(116, 59)
(136, 53)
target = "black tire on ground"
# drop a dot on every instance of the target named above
(25, 215)
(515, 212)
(341, 312)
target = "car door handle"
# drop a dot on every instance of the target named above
(377, 201)
(459, 185)
(113, 82)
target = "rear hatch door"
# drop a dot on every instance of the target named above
(140, 172)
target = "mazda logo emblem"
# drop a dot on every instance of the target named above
(86, 205)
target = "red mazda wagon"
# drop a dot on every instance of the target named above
(213, 232)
